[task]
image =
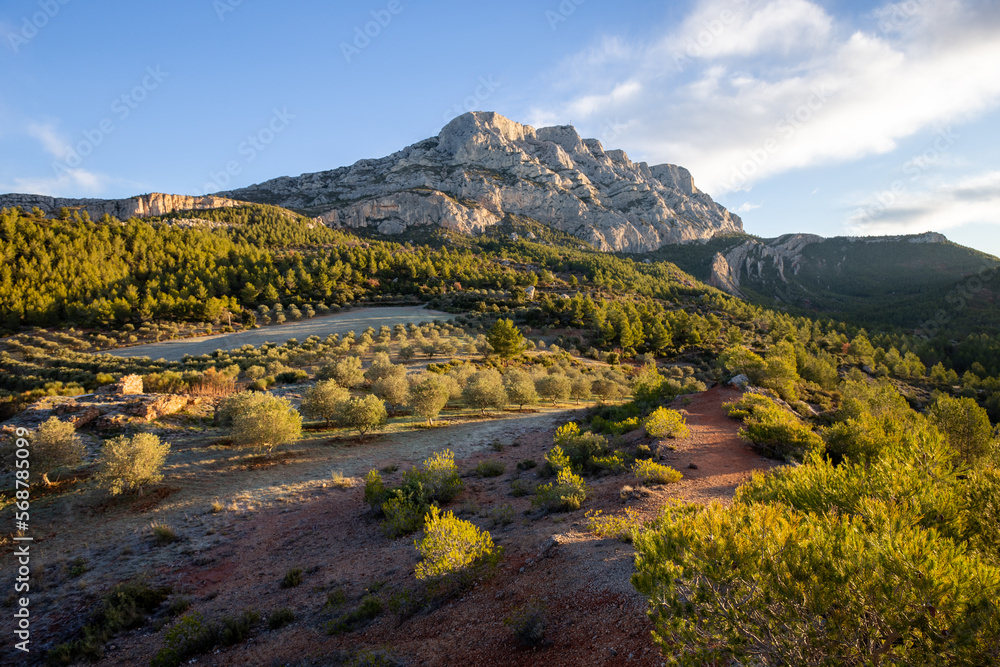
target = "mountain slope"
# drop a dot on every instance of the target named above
(483, 166)
(897, 280)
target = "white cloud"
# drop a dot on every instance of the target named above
(51, 141)
(64, 180)
(945, 206)
(746, 207)
(740, 28)
(806, 89)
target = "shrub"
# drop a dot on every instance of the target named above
(720, 580)
(340, 481)
(614, 527)
(440, 476)
(363, 414)
(279, 618)
(192, 635)
(567, 493)
(368, 610)
(162, 534)
(125, 607)
(292, 578)
(528, 624)
(773, 431)
(129, 463)
(322, 400)
(526, 464)
(450, 545)
(263, 421)
(291, 377)
(664, 423)
(650, 472)
(374, 489)
(580, 448)
(490, 468)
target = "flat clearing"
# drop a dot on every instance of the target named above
(322, 325)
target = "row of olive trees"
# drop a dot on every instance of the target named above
(125, 463)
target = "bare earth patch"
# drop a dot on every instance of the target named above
(289, 514)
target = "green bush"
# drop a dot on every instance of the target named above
(125, 607)
(291, 377)
(404, 513)
(192, 635)
(650, 472)
(450, 545)
(843, 589)
(368, 610)
(490, 468)
(567, 493)
(375, 490)
(664, 423)
(773, 431)
(292, 578)
(279, 618)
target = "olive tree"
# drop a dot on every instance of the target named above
(554, 387)
(55, 445)
(363, 414)
(393, 389)
(263, 421)
(428, 396)
(520, 388)
(322, 399)
(130, 463)
(485, 390)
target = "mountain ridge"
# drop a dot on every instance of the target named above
(483, 165)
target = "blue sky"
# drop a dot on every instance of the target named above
(839, 117)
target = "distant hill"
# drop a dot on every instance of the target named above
(896, 280)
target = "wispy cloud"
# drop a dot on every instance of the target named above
(945, 206)
(63, 180)
(746, 90)
(746, 207)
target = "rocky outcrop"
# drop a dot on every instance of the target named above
(483, 166)
(751, 258)
(123, 209)
(126, 385)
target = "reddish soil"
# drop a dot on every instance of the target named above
(593, 615)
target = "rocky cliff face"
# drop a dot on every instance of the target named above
(123, 209)
(483, 166)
